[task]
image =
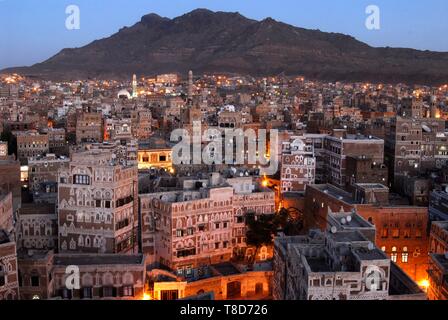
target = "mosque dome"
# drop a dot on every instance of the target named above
(124, 93)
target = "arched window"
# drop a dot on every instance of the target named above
(394, 254)
(405, 255)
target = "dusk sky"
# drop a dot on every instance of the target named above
(33, 30)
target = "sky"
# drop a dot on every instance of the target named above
(32, 31)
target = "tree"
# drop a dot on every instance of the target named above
(291, 221)
(259, 231)
(11, 139)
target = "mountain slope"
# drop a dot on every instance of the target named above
(207, 41)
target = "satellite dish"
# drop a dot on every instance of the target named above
(371, 246)
(333, 229)
(343, 221)
(349, 219)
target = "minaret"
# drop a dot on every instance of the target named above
(134, 86)
(320, 103)
(434, 109)
(190, 86)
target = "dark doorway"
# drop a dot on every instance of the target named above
(259, 288)
(234, 290)
(169, 294)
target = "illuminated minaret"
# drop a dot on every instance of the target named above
(434, 109)
(134, 86)
(320, 103)
(190, 86)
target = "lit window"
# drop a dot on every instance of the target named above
(405, 255)
(394, 254)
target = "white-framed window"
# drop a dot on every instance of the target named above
(394, 254)
(405, 255)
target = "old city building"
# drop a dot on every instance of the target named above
(438, 205)
(414, 146)
(37, 227)
(364, 169)
(341, 145)
(340, 265)
(298, 165)
(438, 242)
(154, 156)
(35, 278)
(98, 211)
(89, 127)
(438, 277)
(107, 276)
(31, 144)
(9, 283)
(401, 231)
(202, 224)
(44, 169)
(10, 179)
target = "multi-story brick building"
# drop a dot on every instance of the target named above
(98, 207)
(10, 179)
(202, 224)
(35, 278)
(31, 144)
(151, 156)
(9, 285)
(438, 242)
(438, 277)
(57, 141)
(141, 123)
(341, 145)
(37, 227)
(298, 165)
(339, 265)
(364, 169)
(401, 231)
(102, 276)
(414, 145)
(44, 169)
(89, 127)
(438, 205)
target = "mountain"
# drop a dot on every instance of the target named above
(206, 41)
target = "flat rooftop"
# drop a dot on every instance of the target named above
(98, 259)
(366, 254)
(226, 269)
(318, 264)
(347, 236)
(370, 186)
(355, 222)
(336, 193)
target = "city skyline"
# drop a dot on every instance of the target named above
(240, 152)
(34, 34)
